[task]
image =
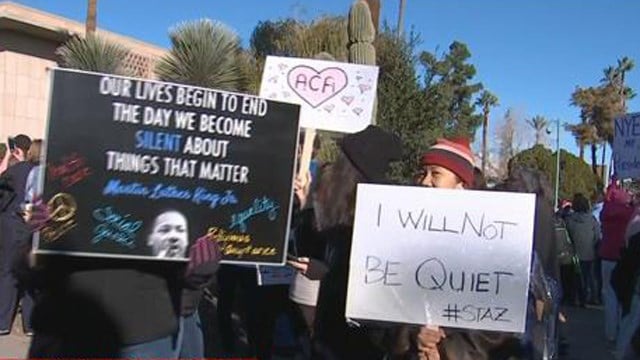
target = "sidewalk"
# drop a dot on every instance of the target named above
(16, 344)
(584, 334)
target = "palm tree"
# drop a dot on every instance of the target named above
(539, 125)
(615, 76)
(625, 65)
(92, 17)
(487, 100)
(589, 100)
(204, 53)
(611, 76)
(93, 53)
(584, 134)
(579, 133)
(614, 94)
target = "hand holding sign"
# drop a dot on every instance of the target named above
(38, 214)
(302, 186)
(311, 268)
(428, 339)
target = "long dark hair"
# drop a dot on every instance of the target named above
(528, 180)
(522, 179)
(334, 203)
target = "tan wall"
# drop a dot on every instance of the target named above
(25, 56)
(24, 93)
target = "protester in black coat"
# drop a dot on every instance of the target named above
(110, 307)
(13, 182)
(364, 157)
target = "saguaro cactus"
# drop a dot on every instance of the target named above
(362, 32)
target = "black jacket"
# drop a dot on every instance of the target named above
(94, 307)
(335, 339)
(13, 183)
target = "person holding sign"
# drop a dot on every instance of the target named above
(449, 164)
(364, 158)
(12, 195)
(118, 308)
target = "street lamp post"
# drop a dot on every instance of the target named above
(557, 182)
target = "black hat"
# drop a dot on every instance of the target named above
(371, 151)
(23, 142)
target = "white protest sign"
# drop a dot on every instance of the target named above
(333, 96)
(626, 146)
(451, 258)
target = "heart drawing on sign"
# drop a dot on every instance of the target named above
(347, 99)
(364, 87)
(329, 107)
(358, 111)
(316, 87)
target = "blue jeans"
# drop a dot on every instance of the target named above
(163, 348)
(628, 327)
(611, 306)
(190, 339)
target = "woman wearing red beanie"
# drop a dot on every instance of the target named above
(448, 164)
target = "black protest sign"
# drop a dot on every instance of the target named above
(140, 169)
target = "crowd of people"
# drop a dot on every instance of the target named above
(599, 262)
(117, 308)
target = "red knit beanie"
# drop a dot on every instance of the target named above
(454, 155)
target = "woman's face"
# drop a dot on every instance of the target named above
(169, 237)
(439, 177)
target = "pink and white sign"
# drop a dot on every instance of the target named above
(333, 96)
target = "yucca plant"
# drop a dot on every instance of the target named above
(93, 53)
(204, 53)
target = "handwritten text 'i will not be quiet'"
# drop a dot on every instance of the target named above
(464, 223)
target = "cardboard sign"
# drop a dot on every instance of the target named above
(451, 258)
(333, 96)
(626, 146)
(140, 169)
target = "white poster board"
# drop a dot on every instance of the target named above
(626, 146)
(333, 96)
(451, 258)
